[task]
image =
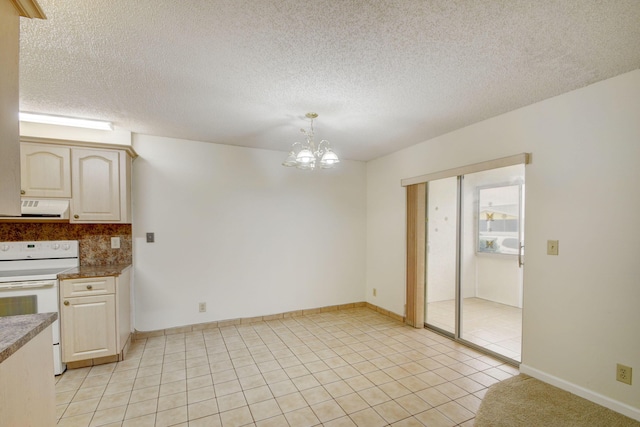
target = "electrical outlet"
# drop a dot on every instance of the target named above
(115, 243)
(202, 307)
(375, 292)
(552, 247)
(623, 374)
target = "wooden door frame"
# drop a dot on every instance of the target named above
(416, 257)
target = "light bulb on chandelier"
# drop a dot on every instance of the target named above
(307, 156)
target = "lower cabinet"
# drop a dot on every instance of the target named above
(94, 317)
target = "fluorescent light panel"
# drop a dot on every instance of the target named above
(65, 121)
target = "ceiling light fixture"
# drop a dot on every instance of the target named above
(65, 121)
(307, 156)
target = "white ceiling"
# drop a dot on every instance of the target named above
(381, 74)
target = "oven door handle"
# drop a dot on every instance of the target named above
(27, 285)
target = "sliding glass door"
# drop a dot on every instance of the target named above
(441, 253)
(491, 260)
(474, 258)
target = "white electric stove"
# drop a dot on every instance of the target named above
(29, 283)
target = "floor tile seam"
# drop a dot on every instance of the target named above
(73, 415)
(443, 414)
(390, 422)
(72, 397)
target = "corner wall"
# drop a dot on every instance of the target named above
(580, 308)
(235, 229)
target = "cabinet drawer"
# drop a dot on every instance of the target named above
(88, 286)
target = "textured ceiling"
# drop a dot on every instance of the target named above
(381, 74)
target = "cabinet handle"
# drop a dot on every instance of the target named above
(66, 303)
(23, 192)
(76, 216)
(89, 287)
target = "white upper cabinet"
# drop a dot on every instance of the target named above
(96, 178)
(100, 185)
(45, 171)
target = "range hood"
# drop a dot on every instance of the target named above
(45, 208)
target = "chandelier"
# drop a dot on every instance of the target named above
(307, 156)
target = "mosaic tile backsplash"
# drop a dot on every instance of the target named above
(95, 239)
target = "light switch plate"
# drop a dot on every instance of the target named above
(151, 237)
(552, 247)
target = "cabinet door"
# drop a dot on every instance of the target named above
(45, 170)
(88, 327)
(96, 185)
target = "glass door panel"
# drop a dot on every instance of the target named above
(490, 260)
(441, 254)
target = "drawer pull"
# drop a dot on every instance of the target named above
(89, 287)
(66, 303)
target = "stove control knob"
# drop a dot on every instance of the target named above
(55, 246)
(66, 246)
(5, 248)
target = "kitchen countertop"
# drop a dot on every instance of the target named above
(16, 331)
(94, 271)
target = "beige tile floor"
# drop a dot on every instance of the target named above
(343, 368)
(495, 326)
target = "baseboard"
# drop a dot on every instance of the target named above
(138, 335)
(386, 312)
(93, 362)
(590, 395)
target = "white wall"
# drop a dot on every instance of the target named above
(237, 230)
(581, 312)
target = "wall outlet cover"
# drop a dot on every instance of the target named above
(115, 243)
(623, 374)
(552, 247)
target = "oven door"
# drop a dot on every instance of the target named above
(31, 297)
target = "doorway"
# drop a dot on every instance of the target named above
(474, 258)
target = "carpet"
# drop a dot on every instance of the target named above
(526, 401)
